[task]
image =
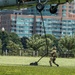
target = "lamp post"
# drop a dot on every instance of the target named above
(3, 29)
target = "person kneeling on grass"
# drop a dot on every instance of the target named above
(53, 57)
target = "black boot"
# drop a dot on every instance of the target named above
(57, 65)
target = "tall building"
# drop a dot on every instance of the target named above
(27, 25)
(28, 22)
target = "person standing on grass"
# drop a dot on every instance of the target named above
(53, 55)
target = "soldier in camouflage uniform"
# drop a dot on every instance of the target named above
(53, 57)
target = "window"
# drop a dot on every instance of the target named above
(64, 7)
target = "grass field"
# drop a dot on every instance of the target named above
(15, 65)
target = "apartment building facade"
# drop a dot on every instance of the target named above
(28, 21)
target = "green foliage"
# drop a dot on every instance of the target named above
(61, 1)
(26, 5)
(4, 39)
(52, 37)
(10, 42)
(0, 45)
(4, 36)
(23, 40)
(15, 38)
(37, 43)
(67, 44)
(13, 48)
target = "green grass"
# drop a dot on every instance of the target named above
(36, 70)
(15, 65)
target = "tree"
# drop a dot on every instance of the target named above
(0, 46)
(4, 38)
(46, 48)
(67, 44)
(38, 44)
(23, 40)
(15, 38)
(13, 48)
(52, 37)
(10, 42)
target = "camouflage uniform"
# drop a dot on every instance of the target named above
(53, 57)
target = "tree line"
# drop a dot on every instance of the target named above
(12, 44)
